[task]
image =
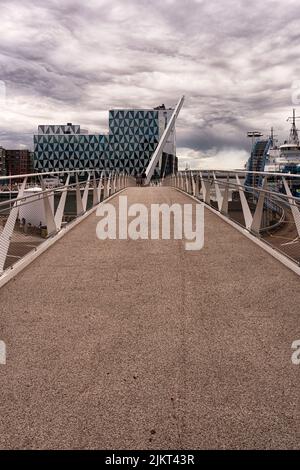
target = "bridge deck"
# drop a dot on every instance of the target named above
(141, 344)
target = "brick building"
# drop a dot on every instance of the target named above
(2, 162)
(18, 162)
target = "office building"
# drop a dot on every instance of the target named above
(2, 162)
(18, 162)
(132, 138)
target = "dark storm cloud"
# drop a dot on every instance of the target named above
(71, 61)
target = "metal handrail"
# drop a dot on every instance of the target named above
(46, 191)
(265, 173)
(233, 185)
(55, 173)
(255, 215)
(55, 216)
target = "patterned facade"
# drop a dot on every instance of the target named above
(132, 138)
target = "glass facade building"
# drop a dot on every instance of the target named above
(132, 139)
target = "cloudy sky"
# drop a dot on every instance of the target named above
(236, 61)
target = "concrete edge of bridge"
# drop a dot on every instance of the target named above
(276, 254)
(15, 269)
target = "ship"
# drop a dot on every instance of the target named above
(267, 156)
(285, 158)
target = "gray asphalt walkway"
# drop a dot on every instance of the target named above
(141, 344)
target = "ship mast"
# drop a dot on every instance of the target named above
(294, 138)
(272, 136)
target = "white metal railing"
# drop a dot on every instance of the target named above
(26, 198)
(269, 209)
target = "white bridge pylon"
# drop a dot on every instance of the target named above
(159, 149)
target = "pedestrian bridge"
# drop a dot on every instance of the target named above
(124, 344)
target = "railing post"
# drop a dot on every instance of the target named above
(197, 189)
(246, 210)
(257, 217)
(186, 182)
(50, 220)
(100, 187)
(207, 192)
(112, 186)
(293, 206)
(6, 234)
(218, 192)
(61, 205)
(224, 207)
(95, 191)
(79, 206)
(193, 184)
(107, 187)
(86, 193)
(203, 187)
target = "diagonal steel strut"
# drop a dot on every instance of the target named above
(158, 151)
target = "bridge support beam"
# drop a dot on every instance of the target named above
(159, 149)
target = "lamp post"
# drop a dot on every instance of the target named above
(254, 135)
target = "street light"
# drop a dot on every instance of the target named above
(254, 135)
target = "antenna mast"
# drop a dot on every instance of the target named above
(294, 138)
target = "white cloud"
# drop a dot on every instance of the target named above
(224, 159)
(73, 60)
